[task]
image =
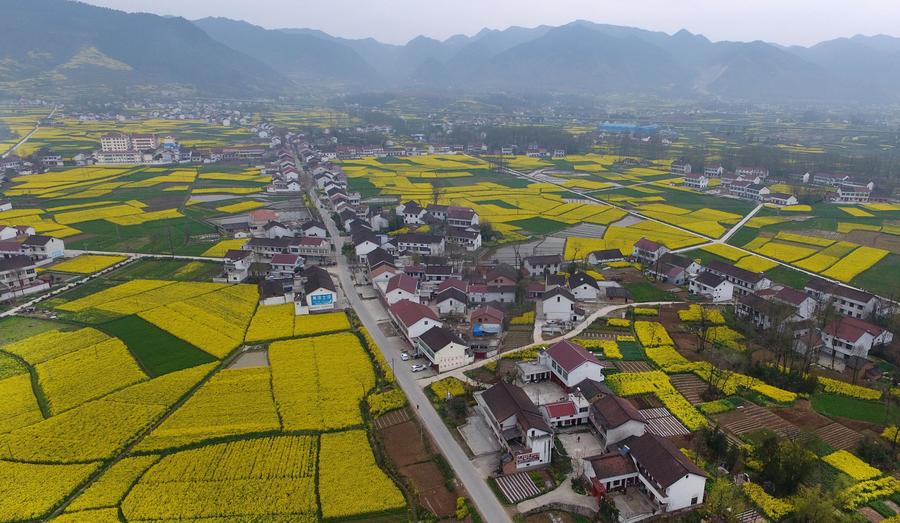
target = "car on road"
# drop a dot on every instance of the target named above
(404, 356)
(417, 367)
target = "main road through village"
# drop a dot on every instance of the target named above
(483, 497)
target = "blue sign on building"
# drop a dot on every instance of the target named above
(321, 299)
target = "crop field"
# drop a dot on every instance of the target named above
(841, 243)
(131, 209)
(69, 136)
(137, 416)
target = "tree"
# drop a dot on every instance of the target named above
(785, 464)
(608, 512)
(813, 505)
(724, 502)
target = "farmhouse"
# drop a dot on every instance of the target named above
(538, 266)
(696, 181)
(558, 304)
(849, 337)
(583, 286)
(518, 425)
(451, 299)
(846, 301)
(412, 213)
(605, 256)
(420, 243)
(486, 320)
(41, 247)
(712, 286)
(647, 251)
(681, 167)
(444, 349)
(744, 281)
(18, 277)
(752, 172)
(319, 291)
(780, 198)
(570, 412)
(401, 287)
(412, 318)
(285, 265)
(615, 419)
(570, 364)
(237, 265)
(714, 171)
(653, 464)
(673, 268)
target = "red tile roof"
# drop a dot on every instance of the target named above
(561, 409)
(409, 312)
(647, 245)
(284, 259)
(852, 329)
(455, 283)
(487, 310)
(570, 355)
(404, 283)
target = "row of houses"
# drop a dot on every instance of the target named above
(760, 301)
(631, 456)
(747, 183)
(284, 173)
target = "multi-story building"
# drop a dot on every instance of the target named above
(743, 280)
(752, 172)
(18, 277)
(518, 426)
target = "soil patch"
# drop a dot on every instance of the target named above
(404, 444)
(802, 415)
(429, 483)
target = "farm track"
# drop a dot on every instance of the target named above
(28, 136)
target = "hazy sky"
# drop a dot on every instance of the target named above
(801, 22)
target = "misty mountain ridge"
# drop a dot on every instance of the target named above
(61, 47)
(584, 57)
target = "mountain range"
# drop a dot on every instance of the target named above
(59, 44)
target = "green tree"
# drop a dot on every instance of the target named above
(724, 502)
(814, 505)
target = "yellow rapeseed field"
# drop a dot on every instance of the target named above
(855, 263)
(319, 381)
(88, 263)
(79, 376)
(19, 407)
(218, 250)
(109, 490)
(344, 458)
(31, 490)
(235, 208)
(261, 479)
(234, 401)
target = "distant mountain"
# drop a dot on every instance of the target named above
(305, 58)
(60, 46)
(56, 46)
(585, 57)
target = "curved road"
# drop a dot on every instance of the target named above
(483, 497)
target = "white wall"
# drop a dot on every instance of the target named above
(681, 492)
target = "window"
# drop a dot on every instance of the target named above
(694, 500)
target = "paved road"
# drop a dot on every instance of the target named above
(488, 505)
(76, 252)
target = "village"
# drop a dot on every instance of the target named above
(627, 377)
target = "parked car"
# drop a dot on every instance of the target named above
(417, 367)
(404, 356)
